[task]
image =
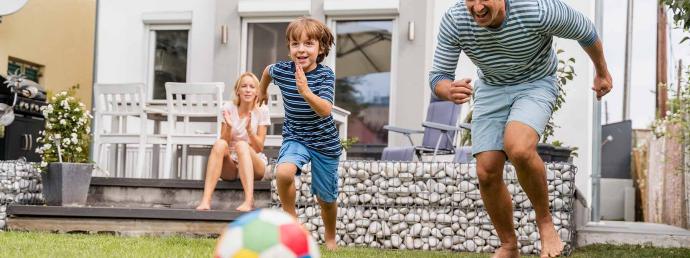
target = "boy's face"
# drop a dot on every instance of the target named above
(304, 52)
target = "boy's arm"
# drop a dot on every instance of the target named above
(263, 86)
(320, 106)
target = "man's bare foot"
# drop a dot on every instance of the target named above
(203, 206)
(551, 245)
(507, 251)
(245, 206)
(331, 245)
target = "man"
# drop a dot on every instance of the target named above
(510, 41)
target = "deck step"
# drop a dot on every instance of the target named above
(119, 220)
(170, 193)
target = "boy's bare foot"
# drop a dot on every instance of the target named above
(331, 245)
(245, 206)
(203, 207)
(551, 245)
(507, 251)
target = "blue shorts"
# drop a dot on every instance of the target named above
(324, 169)
(530, 103)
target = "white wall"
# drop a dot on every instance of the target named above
(575, 117)
(122, 38)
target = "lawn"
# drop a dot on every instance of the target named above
(22, 244)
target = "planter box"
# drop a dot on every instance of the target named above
(66, 184)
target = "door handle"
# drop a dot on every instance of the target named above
(26, 142)
(31, 142)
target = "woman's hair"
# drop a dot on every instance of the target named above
(255, 80)
(314, 29)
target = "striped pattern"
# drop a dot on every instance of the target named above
(302, 124)
(517, 52)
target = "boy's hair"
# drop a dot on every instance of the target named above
(255, 80)
(314, 29)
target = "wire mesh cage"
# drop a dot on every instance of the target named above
(430, 206)
(20, 183)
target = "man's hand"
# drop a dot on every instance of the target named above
(602, 84)
(301, 80)
(458, 92)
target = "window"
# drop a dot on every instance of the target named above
(168, 57)
(31, 70)
(362, 70)
(265, 45)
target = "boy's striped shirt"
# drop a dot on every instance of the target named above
(302, 124)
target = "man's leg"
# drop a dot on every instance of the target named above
(497, 200)
(521, 147)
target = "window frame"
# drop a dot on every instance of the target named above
(150, 62)
(331, 22)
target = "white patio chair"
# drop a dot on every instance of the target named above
(120, 102)
(186, 102)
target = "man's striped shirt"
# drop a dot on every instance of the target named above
(518, 51)
(302, 124)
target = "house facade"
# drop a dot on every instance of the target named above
(383, 52)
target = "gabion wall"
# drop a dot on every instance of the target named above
(20, 182)
(430, 206)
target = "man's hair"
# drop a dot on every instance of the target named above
(314, 29)
(255, 80)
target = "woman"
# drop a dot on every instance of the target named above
(238, 152)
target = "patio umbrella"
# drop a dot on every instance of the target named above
(364, 47)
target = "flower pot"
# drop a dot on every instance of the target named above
(66, 184)
(561, 154)
(545, 151)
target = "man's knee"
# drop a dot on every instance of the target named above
(489, 171)
(519, 152)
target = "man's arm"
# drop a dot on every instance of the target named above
(602, 78)
(561, 20)
(445, 62)
(320, 106)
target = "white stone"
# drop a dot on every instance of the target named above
(470, 246)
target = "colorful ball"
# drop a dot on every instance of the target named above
(266, 233)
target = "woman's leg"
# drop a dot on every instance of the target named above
(219, 165)
(250, 167)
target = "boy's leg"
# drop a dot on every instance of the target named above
(324, 184)
(285, 180)
(292, 156)
(329, 213)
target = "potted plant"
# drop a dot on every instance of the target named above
(63, 147)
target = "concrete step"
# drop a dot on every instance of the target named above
(170, 193)
(632, 233)
(120, 220)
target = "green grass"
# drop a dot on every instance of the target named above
(23, 244)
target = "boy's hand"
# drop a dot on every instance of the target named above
(263, 98)
(301, 80)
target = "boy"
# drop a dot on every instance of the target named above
(309, 132)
